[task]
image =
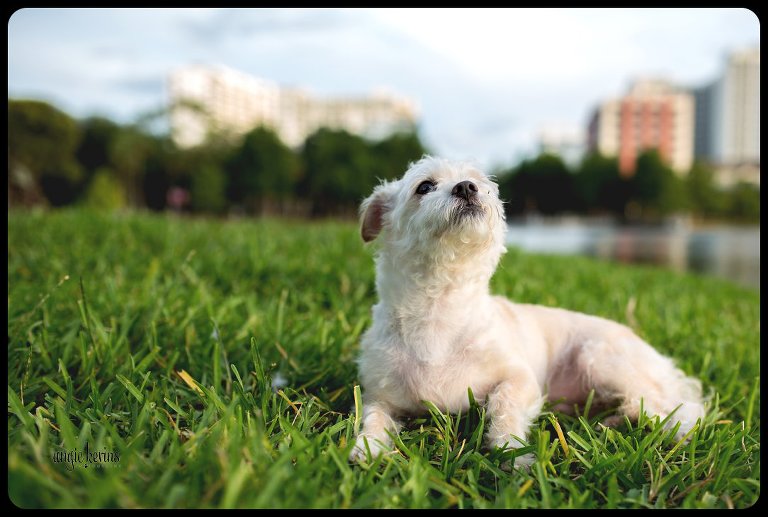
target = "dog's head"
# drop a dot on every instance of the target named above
(445, 210)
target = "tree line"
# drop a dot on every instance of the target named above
(56, 160)
(546, 185)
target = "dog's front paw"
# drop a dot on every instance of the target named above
(521, 461)
(357, 455)
(360, 453)
(689, 415)
(683, 431)
(524, 461)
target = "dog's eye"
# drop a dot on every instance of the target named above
(425, 187)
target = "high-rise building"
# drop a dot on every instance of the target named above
(216, 99)
(654, 114)
(705, 98)
(728, 119)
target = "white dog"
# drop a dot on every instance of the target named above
(437, 330)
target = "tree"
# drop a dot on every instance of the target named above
(208, 190)
(543, 185)
(515, 188)
(393, 154)
(43, 141)
(706, 199)
(261, 168)
(98, 135)
(105, 192)
(128, 152)
(339, 171)
(600, 185)
(743, 203)
(160, 164)
(553, 185)
(655, 187)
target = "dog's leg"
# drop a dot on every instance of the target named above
(630, 370)
(378, 423)
(512, 406)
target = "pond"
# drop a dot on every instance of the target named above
(730, 252)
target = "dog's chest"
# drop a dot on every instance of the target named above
(443, 374)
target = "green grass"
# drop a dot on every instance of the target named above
(106, 313)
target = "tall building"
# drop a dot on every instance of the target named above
(728, 119)
(705, 98)
(207, 99)
(654, 114)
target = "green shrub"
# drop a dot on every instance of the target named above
(105, 192)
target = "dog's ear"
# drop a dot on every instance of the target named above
(373, 209)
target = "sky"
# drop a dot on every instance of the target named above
(487, 82)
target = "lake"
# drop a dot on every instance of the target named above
(730, 252)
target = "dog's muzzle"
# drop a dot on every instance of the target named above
(466, 201)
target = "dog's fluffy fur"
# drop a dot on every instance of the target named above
(437, 330)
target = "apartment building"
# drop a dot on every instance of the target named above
(653, 114)
(217, 99)
(728, 119)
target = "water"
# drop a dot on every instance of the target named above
(730, 252)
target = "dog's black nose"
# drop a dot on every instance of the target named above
(465, 189)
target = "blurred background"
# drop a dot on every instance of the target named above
(626, 134)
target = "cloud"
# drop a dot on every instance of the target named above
(146, 85)
(486, 80)
(234, 24)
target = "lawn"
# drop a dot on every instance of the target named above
(210, 363)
